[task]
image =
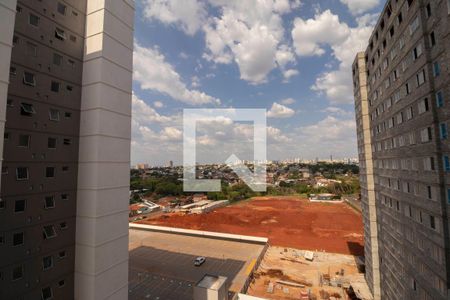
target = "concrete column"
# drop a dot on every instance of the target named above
(101, 259)
(7, 20)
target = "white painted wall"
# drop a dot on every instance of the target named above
(101, 259)
(7, 20)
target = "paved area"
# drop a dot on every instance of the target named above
(162, 264)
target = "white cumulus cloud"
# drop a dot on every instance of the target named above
(357, 7)
(325, 29)
(153, 72)
(280, 111)
(188, 15)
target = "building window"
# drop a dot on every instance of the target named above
(439, 99)
(414, 25)
(47, 293)
(61, 283)
(448, 195)
(55, 86)
(29, 79)
(417, 52)
(65, 168)
(57, 59)
(2, 241)
(17, 273)
(47, 262)
(429, 164)
(6, 136)
(63, 225)
(49, 202)
(50, 172)
(62, 254)
(61, 8)
(64, 197)
(49, 232)
(33, 20)
(24, 140)
(432, 222)
(432, 39)
(31, 49)
(51, 143)
(4, 170)
(443, 131)
(420, 78)
(428, 10)
(429, 192)
(20, 205)
(27, 109)
(22, 173)
(2, 204)
(446, 163)
(436, 69)
(67, 115)
(67, 141)
(69, 88)
(54, 114)
(73, 38)
(18, 239)
(423, 106)
(426, 135)
(407, 89)
(60, 34)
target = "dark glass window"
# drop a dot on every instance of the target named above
(57, 59)
(49, 202)
(51, 143)
(17, 272)
(47, 262)
(47, 293)
(49, 231)
(29, 79)
(33, 20)
(60, 34)
(18, 239)
(55, 86)
(27, 109)
(50, 172)
(61, 8)
(24, 140)
(20, 205)
(22, 173)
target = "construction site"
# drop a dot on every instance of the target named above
(289, 221)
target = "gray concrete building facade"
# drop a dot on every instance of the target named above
(65, 100)
(406, 67)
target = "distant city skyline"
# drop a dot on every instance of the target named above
(292, 58)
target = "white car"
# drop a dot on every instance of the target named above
(199, 261)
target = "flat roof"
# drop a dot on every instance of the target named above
(212, 282)
(161, 264)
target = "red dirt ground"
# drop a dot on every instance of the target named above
(286, 221)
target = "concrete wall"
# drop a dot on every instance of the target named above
(207, 234)
(101, 265)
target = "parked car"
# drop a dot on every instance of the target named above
(199, 261)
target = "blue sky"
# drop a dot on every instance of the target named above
(292, 58)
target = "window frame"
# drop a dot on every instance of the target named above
(24, 206)
(27, 173)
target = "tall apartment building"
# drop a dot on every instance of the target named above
(402, 104)
(65, 113)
